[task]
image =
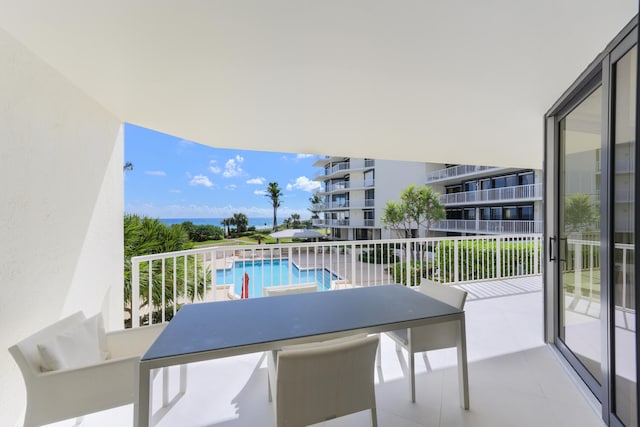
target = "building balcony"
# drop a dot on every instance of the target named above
(519, 193)
(456, 173)
(344, 223)
(347, 185)
(512, 374)
(359, 204)
(488, 226)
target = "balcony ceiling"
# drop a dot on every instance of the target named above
(453, 82)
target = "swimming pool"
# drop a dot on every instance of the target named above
(272, 273)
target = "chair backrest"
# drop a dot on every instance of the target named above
(319, 382)
(300, 288)
(438, 335)
(26, 353)
(447, 294)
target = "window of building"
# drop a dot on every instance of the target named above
(511, 180)
(526, 178)
(485, 184)
(471, 186)
(526, 213)
(510, 213)
(454, 213)
(496, 213)
(499, 182)
(485, 214)
(470, 213)
(453, 189)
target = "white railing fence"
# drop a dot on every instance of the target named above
(217, 273)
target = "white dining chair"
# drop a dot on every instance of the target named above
(430, 337)
(315, 382)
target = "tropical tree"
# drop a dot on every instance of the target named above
(295, 220)
(241, 222)
(274, 193)
(315, 201)
(419, 207)
(287, 222)
(227, 223)
(144, 235)
(579, 213)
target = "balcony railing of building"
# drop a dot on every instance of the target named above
(338, 167)
(347, 185)
(456, 171)
(488, 226)
(369, 163)
(358, 204)
(217, 273)
(516, 193)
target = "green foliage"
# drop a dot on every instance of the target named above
(241, 222)
(274, 193)
(379, 254)
(419, 207)
(201, 233)
(417, 270)
(579, 213)
(477, 259)
(143, 236)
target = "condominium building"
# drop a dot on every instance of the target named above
(487, 199)
(355, 192)
(477, 199)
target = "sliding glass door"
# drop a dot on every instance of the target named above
(591, 223)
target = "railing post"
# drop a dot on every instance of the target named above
(135, 293)
(577, 269)
(498, 258)
(353, 263)
(408, 263)
(456, 269)
(536, 249)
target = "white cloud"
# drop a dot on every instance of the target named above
(201, 180)
(256, 181)
(232, 167)
(213, 167)
(260, 192)
(304, 156)
(231, 187)
(155, 173)
(305, 184)
(175, 190)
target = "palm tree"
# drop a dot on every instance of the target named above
(227, 223)
(295, 220)
(315, 200)
(274, 193)
(241, 221)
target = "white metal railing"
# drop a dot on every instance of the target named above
(347, 185)
(581, 271)
(516, 193)
(489, 226)
(456, 171)
(217, 273)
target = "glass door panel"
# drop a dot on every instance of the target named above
(579, 229)
(623, 268)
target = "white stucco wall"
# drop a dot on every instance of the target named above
(61, 202)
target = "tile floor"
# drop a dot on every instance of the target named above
(514, 379)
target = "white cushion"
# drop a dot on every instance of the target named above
(80, 345)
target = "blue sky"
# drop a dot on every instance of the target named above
(175, 178)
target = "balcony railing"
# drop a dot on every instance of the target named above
(348, 185)
(489, 226)
(349, 204)
(217, 273)
(456, 171)
(516, 193)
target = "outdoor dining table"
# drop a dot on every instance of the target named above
(213, 330)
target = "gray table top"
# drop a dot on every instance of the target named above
(235, 324)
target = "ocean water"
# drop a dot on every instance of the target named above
(255, 222)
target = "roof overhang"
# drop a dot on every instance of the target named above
(449, 81)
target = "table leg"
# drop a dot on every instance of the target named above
(463, 380)
(141, 405)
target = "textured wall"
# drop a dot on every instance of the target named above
(60, 208)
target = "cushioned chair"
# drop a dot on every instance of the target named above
(71, 368)
(430, 337)
(315, 382)
(299, 288)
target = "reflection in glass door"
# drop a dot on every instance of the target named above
(623, 268)
(579, 239)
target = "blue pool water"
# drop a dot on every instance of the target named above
(271, 273)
